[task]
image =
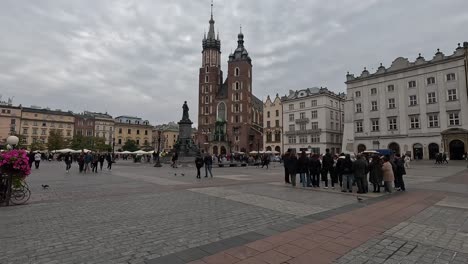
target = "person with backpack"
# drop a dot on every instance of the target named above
(314, 170)
(327, 167)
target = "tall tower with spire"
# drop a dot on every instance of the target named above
(229, 115)
(210, 80)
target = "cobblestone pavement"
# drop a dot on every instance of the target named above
(137, 213)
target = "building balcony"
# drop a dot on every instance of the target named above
(302, 120)
(303, 132)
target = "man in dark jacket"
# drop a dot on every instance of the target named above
(208, 160)
(285, 159)
(400, 171)
(198, 163)
(360, 169)
(327, 167)
(314, 170)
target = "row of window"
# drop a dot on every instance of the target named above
(6, 111)
(411, 84)
(413, 100)
(43, 131)
(137, 122)
(277, 123)
(304, 139)
(269, 137)
(277, 113)
(119, 141)
(302, 115)
(414, 122)
(129, 131)
(44, 124)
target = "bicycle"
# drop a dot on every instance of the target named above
(20, 192)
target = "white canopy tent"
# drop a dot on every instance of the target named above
(66, 150)
(81, 150)
(140, 152)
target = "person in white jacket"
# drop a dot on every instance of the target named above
(407, 161)
(37, 159)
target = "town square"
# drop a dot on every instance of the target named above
(219, 132)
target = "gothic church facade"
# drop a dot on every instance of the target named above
(229, 114)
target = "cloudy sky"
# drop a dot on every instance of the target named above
(141, 57)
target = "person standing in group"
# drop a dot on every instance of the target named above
(400, 171)
(407, 161)
(387, 173)
(338, 167)
(347, 169)
(375, 173)
(208, 161)
(285, 159)
(314, 170)
(360, 173)
(37, 159)
(81, 162)
(109, 160)
(68, 161)
(292, 167)
(303, 170)
(102, 157)
(327, 167)
(199, 164)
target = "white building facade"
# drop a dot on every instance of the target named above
(418, 108)
(273, 125)
(313, 120)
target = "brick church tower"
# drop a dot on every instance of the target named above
(229, 115)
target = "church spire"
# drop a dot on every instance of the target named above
(211, 32)
(210, 40)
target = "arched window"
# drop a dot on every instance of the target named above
(237, 96)
(237, 86)
(236, 72)
(207, 69)
(207, 99)
(221, 115)
(236, 108)
(207, 79)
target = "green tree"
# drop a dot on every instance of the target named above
(36, 146)
(81, 142)
(56, 140)
(100, 144)
(130, 145)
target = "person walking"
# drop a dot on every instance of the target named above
(81, 162)
(327, 167)
(303, 170)
(102, 157)
(285, 159)
(387, 173)
(292, 168)
(109, 160)
(68, 162)
(347, 169)
(174, 160)
(95, 162)
(375, 173)
(314, 170)
(88, 161)
(37, 159)
(208, 160)
(360, 173)
(400, 171)
(198, 164)
(31, 159)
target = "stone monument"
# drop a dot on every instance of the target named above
(185, 147)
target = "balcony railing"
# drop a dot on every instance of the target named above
(302, 120)
(302, 132)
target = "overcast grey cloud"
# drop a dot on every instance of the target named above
(141, 57)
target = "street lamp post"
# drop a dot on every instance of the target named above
(113, 146)
(158, 163)
(12, 141)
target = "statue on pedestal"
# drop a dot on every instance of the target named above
(185, 114)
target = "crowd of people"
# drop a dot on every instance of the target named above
(87, 161)
(345, 170)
